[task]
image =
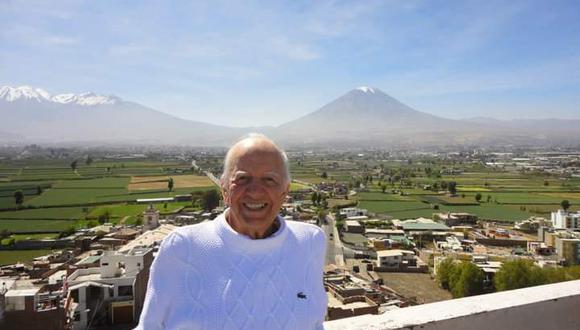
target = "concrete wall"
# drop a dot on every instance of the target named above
(553, 306)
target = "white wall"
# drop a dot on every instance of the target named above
(553, 306)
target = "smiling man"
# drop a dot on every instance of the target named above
(247, 269)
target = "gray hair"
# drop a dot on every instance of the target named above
(255, 136)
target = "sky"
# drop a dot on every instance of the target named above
(255, 63)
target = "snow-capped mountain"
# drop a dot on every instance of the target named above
(365, 116)
(31, 114)
(28, 93)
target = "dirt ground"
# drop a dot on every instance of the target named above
(420, 286)
(160, 182)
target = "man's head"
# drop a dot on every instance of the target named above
(254, 184)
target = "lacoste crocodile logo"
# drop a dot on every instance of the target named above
(301, 295)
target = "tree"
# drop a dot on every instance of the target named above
(469, 281)
(519, 273)
(89, 160)
(73, 165)
(452, 187)
(38, 190)
(318, 199)
(324, 175)
(478, 197)
(314, 198)
(170, 184)
(210, 200)
(565, 204)
(444, 271)
(104, 216)
(18, 197)
(383, 187)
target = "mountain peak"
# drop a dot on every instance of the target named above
(39, 95)
(366, 89)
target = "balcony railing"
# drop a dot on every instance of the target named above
(552, 306)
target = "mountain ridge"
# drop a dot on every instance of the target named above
(364, 116)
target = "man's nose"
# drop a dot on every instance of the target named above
(255, 186)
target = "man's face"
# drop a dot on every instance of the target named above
(255, 190)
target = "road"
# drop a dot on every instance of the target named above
(334, 249)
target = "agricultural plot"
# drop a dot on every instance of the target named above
(11, 257)
(160, 182)
(57, 213)
(447, 200)
(36, 225)
(294, 186)
(82, 191)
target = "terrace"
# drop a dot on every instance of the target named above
(552, 306)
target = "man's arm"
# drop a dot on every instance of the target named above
(317, 270)
(162, 284)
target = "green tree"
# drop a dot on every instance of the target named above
(565, 204)
(38, 190)
(383, 187)
(314, 198)
(478, 197)
(67, 232)
(89, 160)
(452, 187)
(210, 199)
(444, 272)
(170, 184)
(18, 197)
(324, 175)
(73, 165)
(519, 273)
(469, 281)
(104, 216)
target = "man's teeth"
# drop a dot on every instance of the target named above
(255, 206)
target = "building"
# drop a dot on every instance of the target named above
(31, 305)
(353, 226)
(566, 220)
(150, 218)
(112, 293)
(454, 219)
(419, 224)
(352, 212)
(569, 250)
(395, 259)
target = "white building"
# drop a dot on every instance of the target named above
(566, 220)
(352, 212)
(114, 291)
(150, 218)
(395, 258)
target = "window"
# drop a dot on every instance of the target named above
(125, 290)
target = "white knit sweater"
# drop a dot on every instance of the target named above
(208, 276)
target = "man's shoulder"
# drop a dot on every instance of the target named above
(305, 230)
(197, 233)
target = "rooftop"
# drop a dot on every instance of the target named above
(552, 306)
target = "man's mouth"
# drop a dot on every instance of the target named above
(255, 206)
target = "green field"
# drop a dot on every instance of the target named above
(36, 225)
(11, 257)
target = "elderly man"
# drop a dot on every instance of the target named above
(248, 268)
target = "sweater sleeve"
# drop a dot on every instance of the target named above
(317, 270)
(163, 283)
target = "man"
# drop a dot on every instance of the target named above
(248, 268)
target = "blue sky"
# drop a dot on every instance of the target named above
(241, 63)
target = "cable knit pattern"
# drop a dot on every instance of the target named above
(207, 276)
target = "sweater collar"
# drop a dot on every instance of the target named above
(241, 242)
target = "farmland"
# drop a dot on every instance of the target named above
(57, 196)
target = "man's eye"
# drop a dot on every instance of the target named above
(241, 179)
(270, 181)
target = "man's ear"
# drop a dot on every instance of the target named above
(224, 192)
